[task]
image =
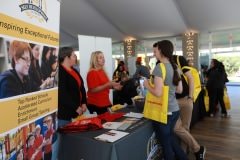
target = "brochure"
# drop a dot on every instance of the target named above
(111, 136)
(123, 125)
(127, 123)
(112, 125)
(134, 115)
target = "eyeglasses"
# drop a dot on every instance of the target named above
(27, 60)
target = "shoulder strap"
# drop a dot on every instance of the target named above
(163, 69)
(178, 63)
(187, 67)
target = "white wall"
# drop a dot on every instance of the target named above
(89, 44)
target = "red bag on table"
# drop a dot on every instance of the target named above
(109, 117)
(82, 125)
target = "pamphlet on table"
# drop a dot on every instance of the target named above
(111, 136)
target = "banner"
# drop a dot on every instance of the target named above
(29, 43)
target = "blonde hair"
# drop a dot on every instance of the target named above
(93, 60)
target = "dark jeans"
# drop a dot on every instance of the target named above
(165, 133)
(61, 123)
(100, 110)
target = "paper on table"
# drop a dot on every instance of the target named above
(134, 115)
(111, 136)
(112, 125)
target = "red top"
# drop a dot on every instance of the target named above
(30, 152)
(73, 74)
(48, 135)
(97, 78)
(38, 142)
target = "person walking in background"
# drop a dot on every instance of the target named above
(216, 78)
(185, 99)
(165, 132)
(16, 80)
(119, 72)
(99, 84)
(185, 102)
(141, 70)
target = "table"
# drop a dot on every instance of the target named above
(83, 146)
(199, 111)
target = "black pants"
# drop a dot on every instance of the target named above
(92, 108)
(215, 96)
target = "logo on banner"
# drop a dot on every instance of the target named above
(35, 9)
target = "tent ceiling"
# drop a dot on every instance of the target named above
(144, 19)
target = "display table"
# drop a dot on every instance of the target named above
(83, 146)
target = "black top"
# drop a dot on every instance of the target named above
(117, 75)
(11, 85)
(69, 94)
(46, 69)
(128, 91)
(183, 63)
(216, 78)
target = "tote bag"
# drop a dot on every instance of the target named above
(206, 100)
(226, 99)
(156, 108)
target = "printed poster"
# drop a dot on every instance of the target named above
(29, 43)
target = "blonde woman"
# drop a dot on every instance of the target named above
(99, 84)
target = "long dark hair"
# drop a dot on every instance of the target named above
(44, 53)
(166, 48)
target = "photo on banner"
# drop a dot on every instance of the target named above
(29, 44)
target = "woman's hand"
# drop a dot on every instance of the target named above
(146, 83)
(79, 110)
(46, 83)
(116, 86)
(84, 107)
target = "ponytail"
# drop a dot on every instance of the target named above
(166, 48)
(176, 76)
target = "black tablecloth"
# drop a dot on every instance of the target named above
(83, 146)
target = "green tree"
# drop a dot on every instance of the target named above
(231, 63)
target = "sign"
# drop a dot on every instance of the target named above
(29, 42)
